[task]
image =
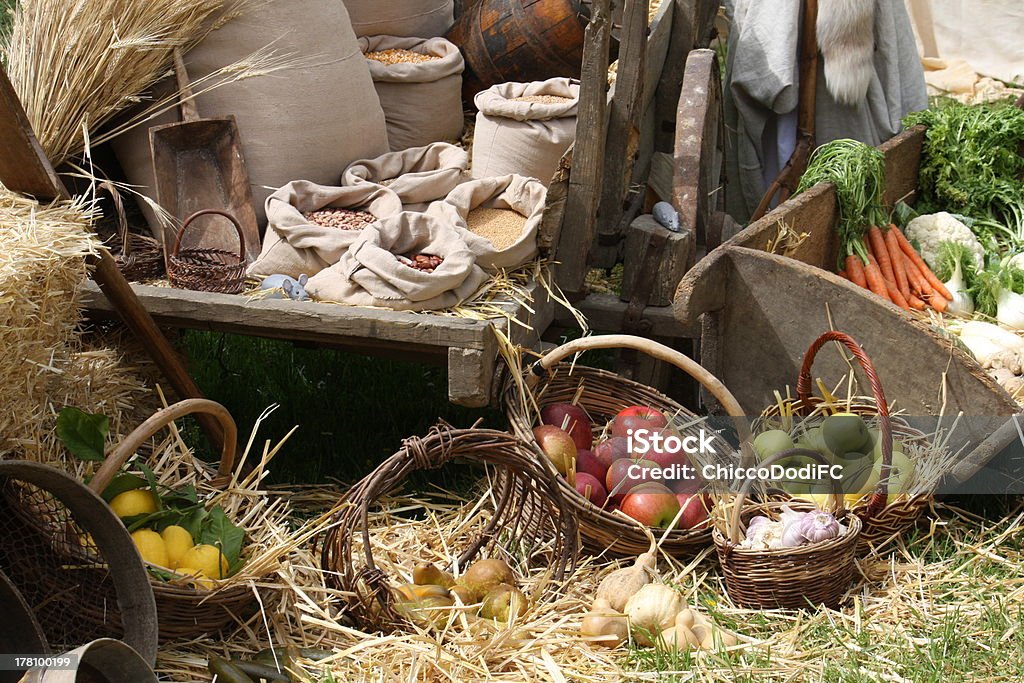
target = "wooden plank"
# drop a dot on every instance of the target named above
(581, 203)
(902, 161)
(660, 178)
(21, 163)
(554, 205)
(621, 143)
(671, 267)
(604, 313)
(471, 374)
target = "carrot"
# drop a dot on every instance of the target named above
(916, 259)
(881, 252)
(898, 261)
(896, 295)
(938, 302)
(916, 303)
(918, 283)
(855, 271)
(876, 283)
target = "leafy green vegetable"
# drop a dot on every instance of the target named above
(990, 283)
(951, 254)
(83, 434)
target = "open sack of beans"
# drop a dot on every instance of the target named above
(419, 83)
(418, 175)
(410, 262)
(498, 218)
(424, 18)
(524, 128)
(310, 226)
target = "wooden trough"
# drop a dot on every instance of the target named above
(758, 312)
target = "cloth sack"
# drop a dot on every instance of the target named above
(293, 246)
(525, 196)
(370, 274)
(524, 138)
(421, 18)
(418, 175)
(422, 101)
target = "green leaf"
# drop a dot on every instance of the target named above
(219, 530)
(121, 483)
(153, 486)
(185, 496)
(83, 434)
(193, 522)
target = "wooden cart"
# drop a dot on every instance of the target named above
(758, 311)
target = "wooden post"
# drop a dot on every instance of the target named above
(578, 226)
(671, 265)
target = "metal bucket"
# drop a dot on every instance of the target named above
(101, 661)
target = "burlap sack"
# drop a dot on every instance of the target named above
(370, 274)
(418, 175)
(525, 196)
(525, 138)
(420, 18)
(422, 101)
(293, 246)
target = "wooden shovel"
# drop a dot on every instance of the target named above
(198, 165)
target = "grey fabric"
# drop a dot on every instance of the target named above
(761, 87)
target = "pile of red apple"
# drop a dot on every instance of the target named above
(602, 469)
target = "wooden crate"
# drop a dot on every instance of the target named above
(759, 311)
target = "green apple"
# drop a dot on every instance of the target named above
(846, 433)
(900, 473)
(767, 444)
(814, 441)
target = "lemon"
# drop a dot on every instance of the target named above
(178, 541)
(196, 577)
(134, 502)
(150, 546)
(208, 559)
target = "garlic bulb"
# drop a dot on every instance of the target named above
(651, 610)
(755, 523)
(818, 526)
(604, 626)
(766, 536)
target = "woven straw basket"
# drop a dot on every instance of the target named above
(138, 257)
(207, 270)
(603, 395)
(786, 578)
(530, 513)
(883, 519)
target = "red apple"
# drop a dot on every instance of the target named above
(651, 504)
(663, 445)
(587, 462)
(557, 445)
(619, 481)
(637, 417)
(611, 450)
(695, 510)
(572, 419)
(590, 488)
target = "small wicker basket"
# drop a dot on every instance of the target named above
(207, 270)
(138, 257)
(786, 578)
(552, 380)
(884, 519)
(529, 506)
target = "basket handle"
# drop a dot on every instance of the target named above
(803, 392)
(659, 352)
(122, 217)
(741, 496)
(209, 212)
(157, 421)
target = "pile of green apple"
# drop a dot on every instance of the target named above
(603, 472)
(843, 439)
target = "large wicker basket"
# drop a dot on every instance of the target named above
(603, 395)
(786, 578)
(884, 518)
(530, 513)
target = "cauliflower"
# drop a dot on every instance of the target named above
(931, 230)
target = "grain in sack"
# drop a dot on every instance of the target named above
(524, 128)
(418, 175)
(408, 262)
(419, 84)
(498, 218)
(311, 226)
(409, 18)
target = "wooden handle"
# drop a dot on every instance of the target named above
(803, 392)
(734, 518)
(186, 100)
(157, 421)
(211, 212)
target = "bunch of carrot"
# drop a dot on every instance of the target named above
(889, 266)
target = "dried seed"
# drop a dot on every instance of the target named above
(342, 219)
(425, 262)
(542, 99)
(399, 56)
(501, 227)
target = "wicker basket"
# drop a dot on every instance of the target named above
(545, 519)
(138, 257)
(604, 394)
(786, 578)
(207, 270)
(884, 519)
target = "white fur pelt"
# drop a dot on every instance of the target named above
(846, 38)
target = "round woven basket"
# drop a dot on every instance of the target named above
(138, 257)
(603, 395)
(530, 514)
(786, 578)
(207, 270)
(884, 518)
